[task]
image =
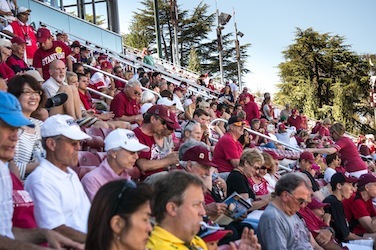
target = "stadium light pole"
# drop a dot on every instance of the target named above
(222, 19)
(237, 48)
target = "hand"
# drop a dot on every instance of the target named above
(139, 118)
(215, 209)
(327, 218)
(324, 237)
(173, 157)
(248, 241)
(58, 241)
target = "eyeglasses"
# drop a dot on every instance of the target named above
(137, 93)
(24, 13)
(127, 185)
(30, 93)
(301, 201)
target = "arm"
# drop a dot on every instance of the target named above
(10, 244)
(314, 243)
(71, 233)
(368, 223)
(235, 162)
(69, 63)
(149, 165)
(38, 236)
(130, 118)
(40, 71)
(330, 150)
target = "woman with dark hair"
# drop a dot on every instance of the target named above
(120, 217)
(227, 97)
(29, 149)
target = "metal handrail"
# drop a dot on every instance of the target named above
(256, 133)
(170, 77)
(118, 78)
(100, 93)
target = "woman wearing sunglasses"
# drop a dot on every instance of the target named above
(120, 217)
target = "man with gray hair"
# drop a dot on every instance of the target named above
(126, 104)
(280, 227)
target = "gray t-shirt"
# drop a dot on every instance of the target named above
(277, 231)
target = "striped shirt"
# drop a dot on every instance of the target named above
(29, 148)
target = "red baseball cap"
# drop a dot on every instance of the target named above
(366, 179)
(199, 154)
(18, 40)
(215, 235)
(175, 124)
(106, 65)
(161, 111)
(315, 204)
(274, 155)
(43, 34)
(308, 156)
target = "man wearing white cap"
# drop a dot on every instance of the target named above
(122, 146)
(60, 201)
(11, 121)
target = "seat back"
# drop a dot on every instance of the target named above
(86, 158)
(93, 131)
(106, 131)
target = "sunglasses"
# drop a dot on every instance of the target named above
(163, 122)
(301, 201)
(128, 184)
(137, 93)
(238, 124)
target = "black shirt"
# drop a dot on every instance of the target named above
(237, 182)
(338, 221)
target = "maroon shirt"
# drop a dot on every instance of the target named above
(225, 150)
(43, 58)
(252, 111)
(295, 121)
(122, 105)
(349, 155)
(17, 64)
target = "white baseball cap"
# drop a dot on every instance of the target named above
(63, 125)
(166, 102)
(124, 138)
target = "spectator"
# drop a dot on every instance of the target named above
(227, 97)
(346, 148)
(324, 129)
(178, 206)
(151, 163)
(251, 109)
(342, 188)
(286, 112)
(6, 51)
(294, 120)
(16, 60)
(333, 161)
(11, 120)
(75, 53)
(147, 58)
(7, 10)
(102, 82)
(238, 179)
(120, 217)
(279, 225)
(121, 146)
(126, 104)
(55, 84)
(3, 84)
(271, 163)
(29, 151)
(118, 71)
(359, 209)
(306, 160)
(49, 51)
(66, 207)
(228, 149)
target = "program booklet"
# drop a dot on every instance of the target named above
(236, 207)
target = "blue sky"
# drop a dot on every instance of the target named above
(270, 25)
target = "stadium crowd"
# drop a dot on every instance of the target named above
(143, 163)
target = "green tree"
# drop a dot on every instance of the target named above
(194, 61)
(194, 28)
(324, 77)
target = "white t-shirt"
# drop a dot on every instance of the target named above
(329, 172)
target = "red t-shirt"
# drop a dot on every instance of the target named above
(259, 189)
(349, 155)
(122, 105)
(324, 131)
(86, 100)
(225, 150)
(150, 155)
(295, 121)
(6, 71)
(43, 58)
(355, 207)
(23, 205)
(252, 111)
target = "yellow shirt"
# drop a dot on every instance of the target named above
(162, 239)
